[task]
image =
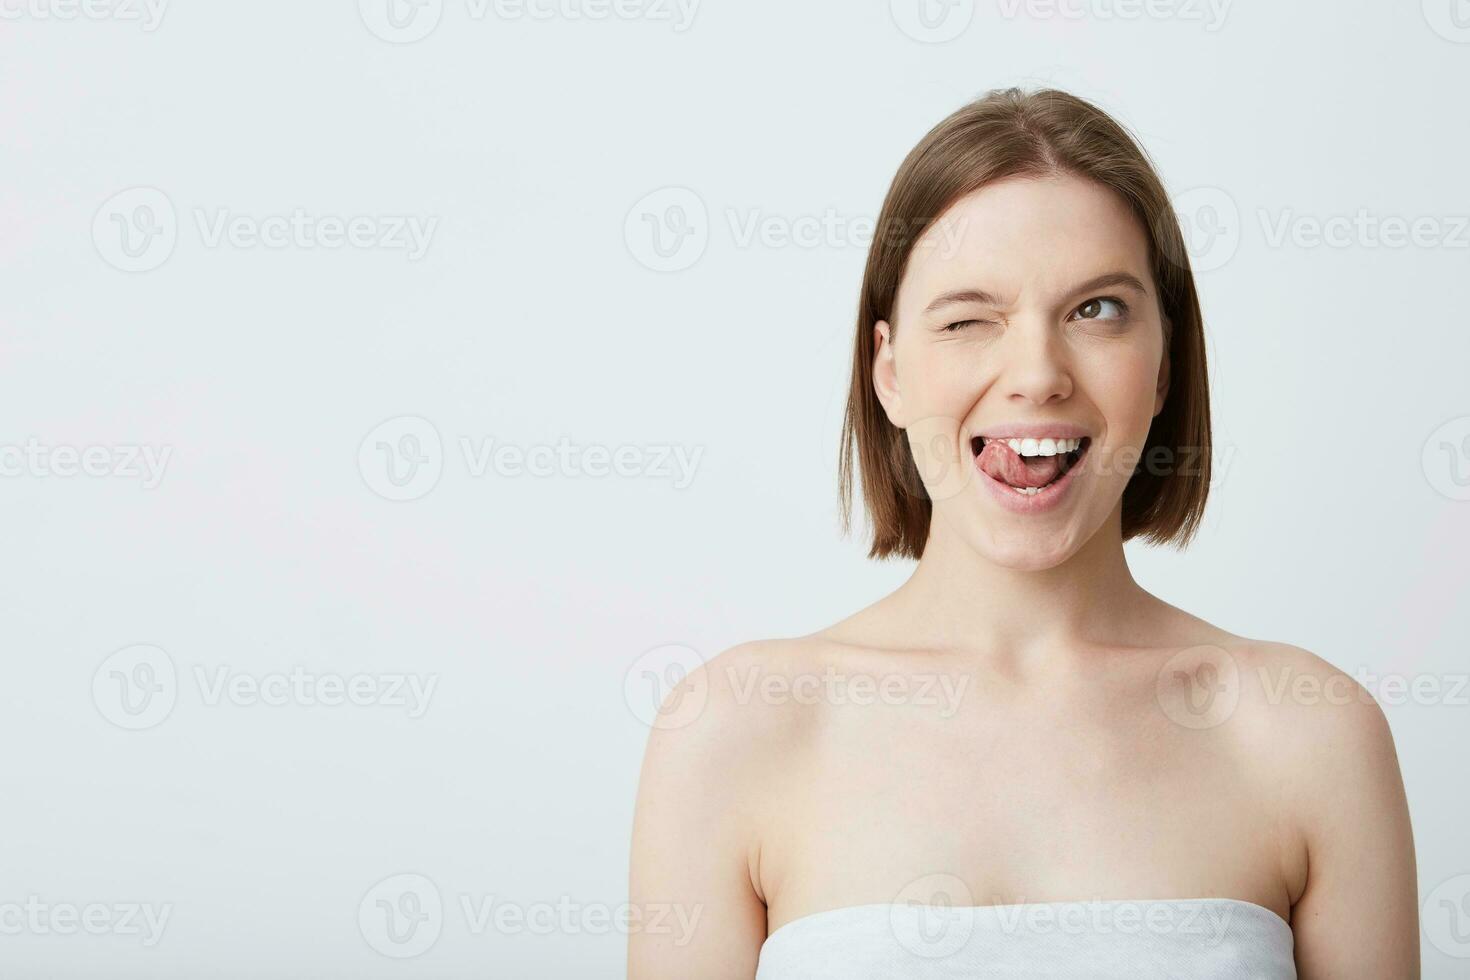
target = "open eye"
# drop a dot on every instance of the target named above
(1101, 308)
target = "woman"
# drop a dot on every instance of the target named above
(1021, 763)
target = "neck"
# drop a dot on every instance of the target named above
(965, 601)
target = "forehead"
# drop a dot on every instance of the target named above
(1028, 238)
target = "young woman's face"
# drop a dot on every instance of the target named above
(1027, 310)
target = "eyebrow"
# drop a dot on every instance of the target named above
(1104, 281)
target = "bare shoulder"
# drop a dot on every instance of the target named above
(704, 797)
(1266, 690)
(1292, 694)
(1320, 737)
(1284, 704)
(740, 710)
(747, 683)
(1310, 739)
(1314, 731)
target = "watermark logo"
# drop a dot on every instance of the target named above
(1446, 459)
(1450, 19)
(136, 687)
(404, 915)
(401, 916)
(1445, 917)
(401, 459)
(1210, 223)
(401, 21)
(667, 230)
(135, 230)
(932, 21)
(932, 917)
(655, 691)
(1199, 687)
(670, 229)
(944, 462)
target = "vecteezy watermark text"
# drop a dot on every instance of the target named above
(407, 21)
(839, 687)
(403, 915)
(1210, 920)
(408, 233)
(404, 457)
(301, 687)
(940, 21)
(147, 13)
(34, 458)
(35, 917)
(668, 686)
(1365, 687)
(566, 916)
(565, 458)
(137, 230)
(1364, 229)
(1210, 13)
(669, 229)
(138, 686)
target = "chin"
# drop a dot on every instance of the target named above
(1030, 552)
(1026, 548)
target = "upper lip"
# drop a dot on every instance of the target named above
(1033, 430)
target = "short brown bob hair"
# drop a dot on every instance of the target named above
(1011, 133)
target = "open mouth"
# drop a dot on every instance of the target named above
(1028, 466)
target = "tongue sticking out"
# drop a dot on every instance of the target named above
(1003, 463)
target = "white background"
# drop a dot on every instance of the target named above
(540, 311)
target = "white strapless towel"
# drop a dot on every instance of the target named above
(1199, 939)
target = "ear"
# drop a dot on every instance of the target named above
(885, 373)
(1161, 391)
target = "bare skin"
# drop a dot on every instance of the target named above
(1049, 730)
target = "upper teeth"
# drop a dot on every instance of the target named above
(1043, 447)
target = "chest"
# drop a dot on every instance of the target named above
(997, 806)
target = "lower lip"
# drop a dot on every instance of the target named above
(1050, 497)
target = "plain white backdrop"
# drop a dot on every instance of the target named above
(392, 397)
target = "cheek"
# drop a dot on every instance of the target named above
(939, 386)
(941, 380)
(1123, 386)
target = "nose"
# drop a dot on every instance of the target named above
(1035, 366)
